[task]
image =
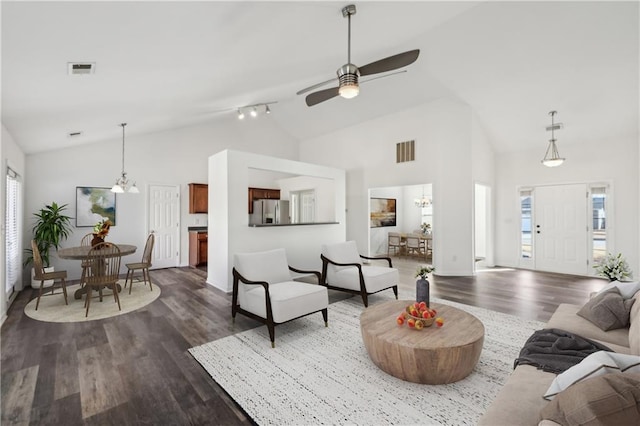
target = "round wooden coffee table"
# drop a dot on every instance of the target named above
(433, 355)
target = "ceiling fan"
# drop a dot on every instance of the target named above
(349, 74)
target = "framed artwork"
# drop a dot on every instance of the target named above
(383, 212)
(94, 204)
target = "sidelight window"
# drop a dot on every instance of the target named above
(598, 223)
(526, 239)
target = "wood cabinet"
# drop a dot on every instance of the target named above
(198, 246)
(198, 198)
(262, 194)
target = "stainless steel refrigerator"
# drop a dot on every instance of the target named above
(270, 212)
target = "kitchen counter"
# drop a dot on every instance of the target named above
(197, 229)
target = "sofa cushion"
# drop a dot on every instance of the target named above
(520, 400)
(627, 288)
(634, 326)
(596, 364)
(565, 318)
(612, 399)
(376, 278)
(289, 300)
(608, 310)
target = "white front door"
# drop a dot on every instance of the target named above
(164, 222)
(560, 229)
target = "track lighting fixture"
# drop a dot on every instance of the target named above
(255, 109)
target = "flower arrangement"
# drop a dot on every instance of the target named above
(426, 228)
(613, 267)
(423, 271)
(101, 229)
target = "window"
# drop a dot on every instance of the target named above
(13, 265)
(526, 240)
(598, 223)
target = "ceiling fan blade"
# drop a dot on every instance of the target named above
(315, 86)
(390, 63)
(382, 76)
(321, 96)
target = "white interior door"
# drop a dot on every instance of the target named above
(164, 222)
(560, 228)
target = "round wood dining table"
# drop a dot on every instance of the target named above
(82, 253)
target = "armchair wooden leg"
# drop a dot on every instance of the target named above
(64, 290)
(39, 294)
(365, 299)
(395, 291)
(325, 315)
(272, 333)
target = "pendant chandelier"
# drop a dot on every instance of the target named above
(552, 157)
(422, 202)
(122, 183)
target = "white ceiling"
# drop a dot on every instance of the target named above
(164, 65)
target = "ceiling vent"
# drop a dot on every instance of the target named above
(81, 68)
(405, 151)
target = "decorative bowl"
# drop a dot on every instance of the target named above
(424, 322)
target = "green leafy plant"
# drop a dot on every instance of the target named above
(50, 229)
(613, 267)
(423, 271)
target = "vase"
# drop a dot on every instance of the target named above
(422, 291)
(96, 240)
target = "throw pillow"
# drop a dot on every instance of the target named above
(627, 288)
(612, 399)
(607, 310)
(596, 364)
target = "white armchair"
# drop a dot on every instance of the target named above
(264, 290)
(342, 269)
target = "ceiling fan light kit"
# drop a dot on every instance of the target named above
(349, 74)
(552, 157)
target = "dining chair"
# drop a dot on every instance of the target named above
(414, 245)
(342, 269)
(142, 266)
(395, 243)
(40, 274)
(264, 290)
(85, 242)
(103, 271)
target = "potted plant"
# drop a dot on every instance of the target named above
(614, 267)
(51, 227)
(422, 284)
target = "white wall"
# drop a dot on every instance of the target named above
(229, 230)
(178, 156)
(614, 161)
(12, 156)
(443, 134)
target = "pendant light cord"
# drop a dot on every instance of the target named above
(123, 124)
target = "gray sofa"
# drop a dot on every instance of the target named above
(520, 401)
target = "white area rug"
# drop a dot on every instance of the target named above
(53, 309)
(319, 375)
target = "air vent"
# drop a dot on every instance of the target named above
(74, 134)
(81, 68)
(406, 151)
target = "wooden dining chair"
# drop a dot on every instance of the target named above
(40, 274)
(85, 242)
(103, 271)
(414, 246)
(142, 266)
(395, 243)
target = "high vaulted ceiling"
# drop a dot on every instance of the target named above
(164, 65)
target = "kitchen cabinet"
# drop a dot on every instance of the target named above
(262, 194)
(198, 246)
(198, 198)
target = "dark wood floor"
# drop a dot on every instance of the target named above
(135, 368)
